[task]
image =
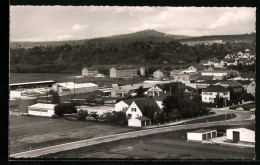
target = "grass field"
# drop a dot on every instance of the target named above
(34, 132)
(170, 145)
(31, 77)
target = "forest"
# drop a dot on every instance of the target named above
(72, 58)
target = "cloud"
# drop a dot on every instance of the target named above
(232, 18)
(78, 27)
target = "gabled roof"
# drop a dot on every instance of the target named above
(206, 78)
(215, 88)
(161, 97)
(199, 67)
(244, 82)
(214, 60)
(91, 69)
(141, 103)
(231, 83)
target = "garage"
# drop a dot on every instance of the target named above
(202, 134)
(236, 135)
(40, 109)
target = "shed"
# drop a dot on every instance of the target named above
(201, 134)
(40, 109)
(139, 121)
(241, 134)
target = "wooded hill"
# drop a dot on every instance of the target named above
(144, 49)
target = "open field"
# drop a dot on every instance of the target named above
(170, 145)
(34, 132)
(31, 77)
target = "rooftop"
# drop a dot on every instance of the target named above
(36, 82)
(230, 83)
(215, 88)
(42, 105)
(143, 118)
(72, 85)
(142, 103)
(203, 131)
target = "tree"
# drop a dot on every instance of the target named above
(219, 101)
(55, 98)
(64, 108)
(170, 103)
(140, 92)
(82, 113)
(150, 112)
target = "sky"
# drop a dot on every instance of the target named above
(57, 23)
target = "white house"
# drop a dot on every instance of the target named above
(202, 134)
(240, 135)
(40, 109)
(159, 74)
(251, 88)
(212, 91)
(135, 111)
(89, 72)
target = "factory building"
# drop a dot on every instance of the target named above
(123, 72)
(71, 88)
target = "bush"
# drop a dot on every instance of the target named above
(54, 116)
(64, 108)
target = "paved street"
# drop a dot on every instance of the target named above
(88, 142)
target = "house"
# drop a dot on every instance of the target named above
(205, 63)
(205, 78)
(251, 88)
(197, 68)
(228, 62)
(235, 86)
(215, 62)
(185, 77)
(212, 91)
(248, 76)
(246, 61)
(89, 72)
(219, 73)
(123, 72)
(40, 109)
(135, 112)
(69, 88)
(158, 74)
(241, 134)
(99, 75)
(201, 134)
(125, 90)
(142, 71)
(244, 83)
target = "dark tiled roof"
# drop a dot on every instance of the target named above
(206, 78)
(231, 83)
(143, 118)
(161, 97)
(199, 67)
(203, 130)
(244, 82)
(248, 75)
(215, 88)
(146, 102)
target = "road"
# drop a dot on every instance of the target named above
(93, 141)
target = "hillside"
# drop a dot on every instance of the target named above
(141, 36)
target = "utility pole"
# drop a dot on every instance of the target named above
(225, 108)
(74, 87)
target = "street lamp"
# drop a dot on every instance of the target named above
(225, 109)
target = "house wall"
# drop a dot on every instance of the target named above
(40, 112)
(158, 74)
(218, 74)
(120, 106)
(246, 135)
(113, 73)
(194, 136)
(154, 91)
(251, 88)
(138, 112)
(134, 123)
(117, 92)
(210, 96)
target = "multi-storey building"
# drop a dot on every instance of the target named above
(89, 72)
(123, 72)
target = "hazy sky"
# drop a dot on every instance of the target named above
(48, 23)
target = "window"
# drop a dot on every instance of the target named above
(129, 115)
(205, 98)
(133, 109)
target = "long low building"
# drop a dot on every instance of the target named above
(71, 88)
(40, 109)
(35, 84)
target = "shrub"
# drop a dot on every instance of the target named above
(64, 108)
(54, 116)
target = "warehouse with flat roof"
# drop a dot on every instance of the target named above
(71, 88)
